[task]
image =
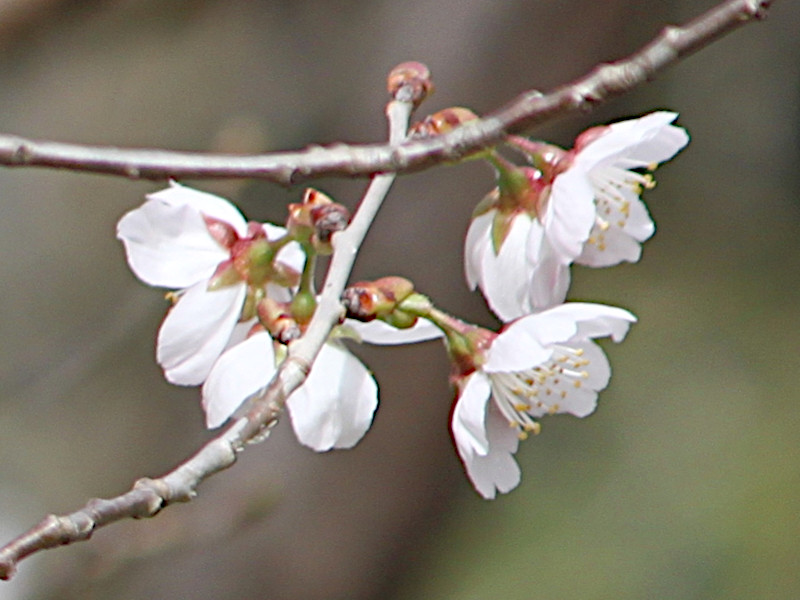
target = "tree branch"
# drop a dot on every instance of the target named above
(149, 496)
(521, 114)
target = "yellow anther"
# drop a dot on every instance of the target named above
(577, 383)
(553, 409)
(522, 435)
(585, 374)
(563, 394)
(522, 407)
(172, 297)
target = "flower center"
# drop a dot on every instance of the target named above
(614, 189)
(525, 395)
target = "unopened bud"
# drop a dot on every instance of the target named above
(278, 321)
(367, 300)
(410, 81)
(441, 122)
(316, 219)
(328, 219)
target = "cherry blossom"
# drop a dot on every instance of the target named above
(201, 245)
(333, 408)
(581, 205)
(542, 364)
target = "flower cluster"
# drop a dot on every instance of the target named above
(244, 292)
(238, 284)
(581, 205)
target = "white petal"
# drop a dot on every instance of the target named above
(616, 247)
(575, 391)
(239, 373)
(178, 195)
(636, 142)
(381, 333)
(570, 213)
(639, 225)
(477, 242)
(334, 407)
(550, 279)
(505, 277)
(469, 415)
(594, 320)
(497, 470)
(169, 245)
(524, 343)
(196, 331)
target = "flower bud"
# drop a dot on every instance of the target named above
(278, 321)
(367, 300)
(442, 122)
(410, 81)
(316, 219)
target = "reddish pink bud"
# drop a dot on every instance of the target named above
(442, 122)
(329, 219)
(367, 300)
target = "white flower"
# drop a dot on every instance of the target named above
(579, 206)
(607, 157)
(334, 406)
(178, 239)
(542, 364)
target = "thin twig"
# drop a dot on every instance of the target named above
(149, 496)
(521, 114)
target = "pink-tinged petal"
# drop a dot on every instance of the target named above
(497, 470)
(570, 213)
(196, 331)
(381, 333)
(239, 373)
(169, 245)
(334, 407)
(505, 276)
(469, 416)
(178, 195)
(477, 242)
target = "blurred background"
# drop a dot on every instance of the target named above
(684, 484)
